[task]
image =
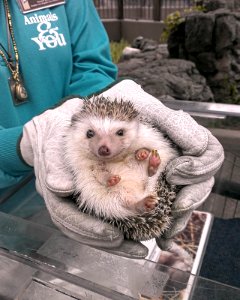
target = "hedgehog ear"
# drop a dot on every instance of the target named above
(75, 118)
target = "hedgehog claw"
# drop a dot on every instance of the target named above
(154, 162)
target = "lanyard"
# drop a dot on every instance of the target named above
(18, 91)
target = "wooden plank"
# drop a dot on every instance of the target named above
(225, 173)
(231, 205)
(236, 178)
(216, 202)
(230, 208)
(237, 212)
(209, 203)
(236, 170)
(220, 205)
(215, 205)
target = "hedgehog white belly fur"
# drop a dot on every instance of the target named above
(100, 149)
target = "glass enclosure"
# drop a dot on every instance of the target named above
(38, 262)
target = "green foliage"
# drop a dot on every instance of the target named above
(232, 93)
(171, 22)
(174, 19)
(117, 48)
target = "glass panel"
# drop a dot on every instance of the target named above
(73, 270)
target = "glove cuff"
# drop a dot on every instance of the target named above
(25, 144)
(10, 158)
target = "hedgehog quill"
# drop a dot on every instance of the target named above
(118, 161)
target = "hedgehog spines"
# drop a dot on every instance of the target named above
(102, 107)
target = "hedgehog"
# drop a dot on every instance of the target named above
(118, 161)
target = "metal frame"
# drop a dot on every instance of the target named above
(204, 109)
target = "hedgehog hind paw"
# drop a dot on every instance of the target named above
(147, 204)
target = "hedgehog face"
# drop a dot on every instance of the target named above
(103, 138)
(108, 139)
(104, 129)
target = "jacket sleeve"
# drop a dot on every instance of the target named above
(12, 168)
(93, 69)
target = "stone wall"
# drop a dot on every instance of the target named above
(211, 5)
(212, 41)
(148, 64)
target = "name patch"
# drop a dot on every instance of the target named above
(33, 5)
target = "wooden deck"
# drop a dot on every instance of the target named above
(224, 201)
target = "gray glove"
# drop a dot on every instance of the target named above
(203, 156)
(41, 147)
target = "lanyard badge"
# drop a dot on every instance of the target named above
(33, 5)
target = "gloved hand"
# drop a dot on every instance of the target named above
(41, 147)
(203, 156)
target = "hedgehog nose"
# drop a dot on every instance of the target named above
(104, 151)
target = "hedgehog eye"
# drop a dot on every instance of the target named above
(90, 133)
(120, 132)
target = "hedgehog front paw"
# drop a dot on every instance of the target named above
(154, 162)
(142, 154)
(147, 204)
(113, 180)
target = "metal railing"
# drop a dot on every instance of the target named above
(154, 10)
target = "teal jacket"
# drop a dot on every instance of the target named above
(63, 50)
